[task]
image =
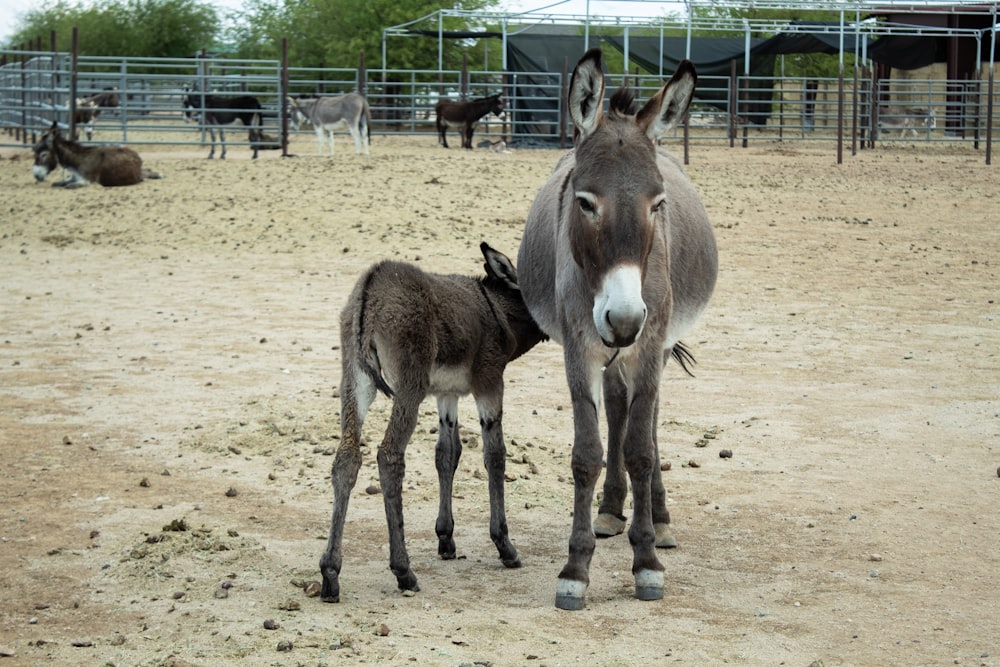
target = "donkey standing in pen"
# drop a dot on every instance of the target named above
(350, 112)
(221, 110)
(88, 110)
(617, 262)
(465, 115)
(105, 165)
(408, 334)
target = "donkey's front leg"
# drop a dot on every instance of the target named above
(446, 455)
(222, 140)
(641, 464)
(495, 460)
(584, 385)
(391, 468)
(611, 519)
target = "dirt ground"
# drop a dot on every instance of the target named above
(168, 415)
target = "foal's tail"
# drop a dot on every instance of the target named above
(366, 353)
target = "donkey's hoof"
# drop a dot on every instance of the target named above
(330, 591)
(512, 563)
(446, 547)
(571, 595)
(664, 536)
(408, 582)
(649, 585)
(608, 525)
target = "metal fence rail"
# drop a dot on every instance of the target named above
(36, 89)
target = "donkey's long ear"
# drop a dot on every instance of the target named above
(499, 266)
(586, 93)
(663, 111)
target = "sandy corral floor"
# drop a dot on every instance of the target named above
(170, 359)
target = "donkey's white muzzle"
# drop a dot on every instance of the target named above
(619, 311)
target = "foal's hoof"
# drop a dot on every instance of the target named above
(571, 594)
(664, 536)
(649, 585)
(608, 525)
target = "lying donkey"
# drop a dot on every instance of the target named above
(906, 119)
(407, 334)
(105, 165)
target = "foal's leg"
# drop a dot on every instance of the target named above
(391, 468)
(356, 395)
(583, 378)
(495, 459)
(446, 455)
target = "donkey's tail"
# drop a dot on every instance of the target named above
(684, 357)
(367, 355)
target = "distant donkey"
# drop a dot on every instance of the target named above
(218, 111)
(465, 115)
(408, 334)
(88, 109)
(105, 165)
(349, 112)
(906, 120)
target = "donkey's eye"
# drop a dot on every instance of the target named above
(587, 203)
(659, 205)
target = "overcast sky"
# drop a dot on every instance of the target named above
(12, 10)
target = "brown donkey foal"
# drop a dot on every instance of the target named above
(408, 334)
(105, 165)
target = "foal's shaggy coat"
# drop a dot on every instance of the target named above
(408, 334)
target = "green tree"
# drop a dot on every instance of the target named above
(153, 28)
(332, 33)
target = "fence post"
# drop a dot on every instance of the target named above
(989, 118)
(362, 75)
(283, 98)
(561, 105)
(74, 56)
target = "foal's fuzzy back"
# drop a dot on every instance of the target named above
(410, 330)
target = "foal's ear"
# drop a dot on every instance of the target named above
(665, 109)
(499, 266)
(586, 93)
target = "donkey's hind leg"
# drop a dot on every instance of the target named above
(446, 456)
(356, 395)
(357, 135)
(391, 468)
(211, 135)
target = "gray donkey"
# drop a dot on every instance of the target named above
(408, 334)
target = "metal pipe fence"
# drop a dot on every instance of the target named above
(35, 92)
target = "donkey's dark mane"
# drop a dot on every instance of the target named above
(623, 101)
